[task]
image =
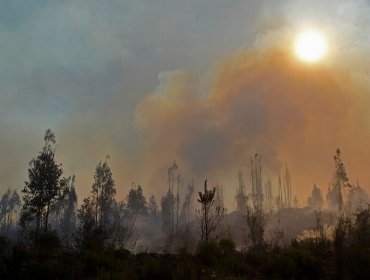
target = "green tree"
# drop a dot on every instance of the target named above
(45, 185)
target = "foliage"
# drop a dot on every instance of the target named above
(136, 201)
(103, 192)
(45, 186)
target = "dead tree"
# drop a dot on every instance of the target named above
(209, 216)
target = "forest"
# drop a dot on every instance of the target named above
(46, 234)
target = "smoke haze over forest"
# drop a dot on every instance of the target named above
(206, 84)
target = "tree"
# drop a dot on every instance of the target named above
(254, 215)
(89, 235)
(97, 212)
(64, 212)
(45, 186)
(339, 181)
(167, 204)
(209, 217)
(9, 207)
(315, 201)
(103, 191)
(136, 201)
(123, 225)
(152, 206)
(358, 197)
(240, 197)
(187, 212)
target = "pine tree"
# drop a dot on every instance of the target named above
(209, 217)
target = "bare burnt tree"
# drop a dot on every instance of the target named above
(209, 216)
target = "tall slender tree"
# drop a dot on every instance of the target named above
(338, 183)
(103, 191)
(209, 217)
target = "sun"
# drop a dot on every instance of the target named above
(310, 46)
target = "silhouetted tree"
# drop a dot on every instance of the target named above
(167, 206)
(209, 217)
(123, 225)
(187, 212)
(64, 212)
(103, 192)
(315, 200)
(10, 204)
(136, 201)
(45, 186)
(152, 206)
(89, 234)
(254, 213)
(240, 197)
(268, 198)
(339, 181)
(358, 197)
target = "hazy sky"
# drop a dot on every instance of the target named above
(206, 83)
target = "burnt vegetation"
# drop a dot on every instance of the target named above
(46, 234)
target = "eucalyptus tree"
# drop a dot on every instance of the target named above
(103, 192)
(10, 204)
(45, 186)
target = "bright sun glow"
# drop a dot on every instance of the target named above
(310, 46)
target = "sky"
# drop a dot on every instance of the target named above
(204, 83)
